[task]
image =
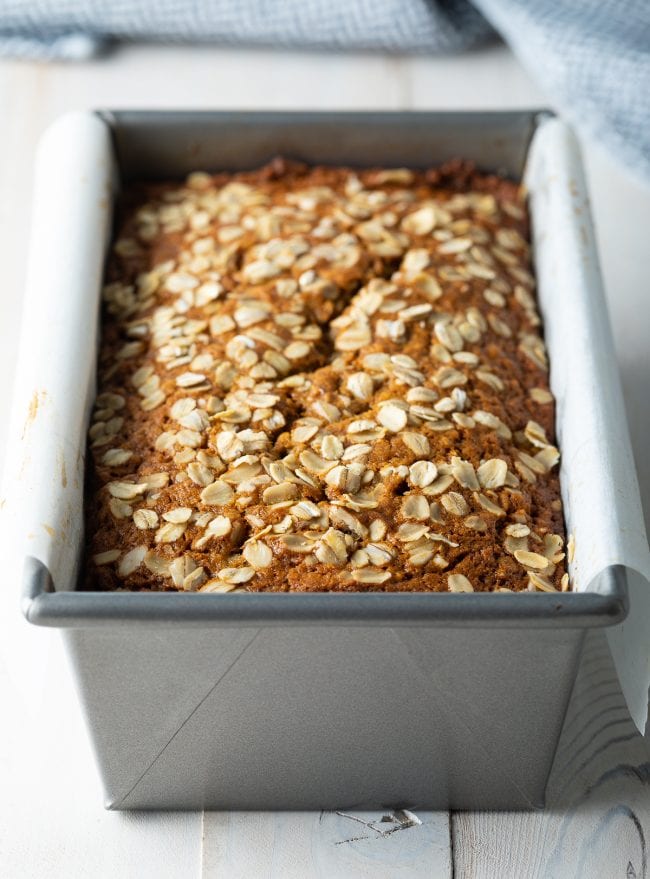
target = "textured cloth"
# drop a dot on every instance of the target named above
(591, 56)
(46, 28)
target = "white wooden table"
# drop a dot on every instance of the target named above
(52, 825)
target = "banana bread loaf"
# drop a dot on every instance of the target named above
(324, 379)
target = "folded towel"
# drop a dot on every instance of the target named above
(59, 28)
(591, 56)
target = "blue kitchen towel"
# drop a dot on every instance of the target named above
(591, 56)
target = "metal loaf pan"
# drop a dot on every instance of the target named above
(292, 701)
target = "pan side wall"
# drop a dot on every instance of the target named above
(324, 717)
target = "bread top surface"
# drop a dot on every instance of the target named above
(323, 379)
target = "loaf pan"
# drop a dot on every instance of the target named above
(287, 701)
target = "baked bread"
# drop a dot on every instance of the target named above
(324, 379)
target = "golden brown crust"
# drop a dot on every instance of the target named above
(322, 379)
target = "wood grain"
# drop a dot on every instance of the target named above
(326, 845)
(597, 821)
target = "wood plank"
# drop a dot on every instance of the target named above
(334, 845)
(597, 818)
(52, 823)
(483, 79)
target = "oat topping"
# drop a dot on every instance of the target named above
(318, 379)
